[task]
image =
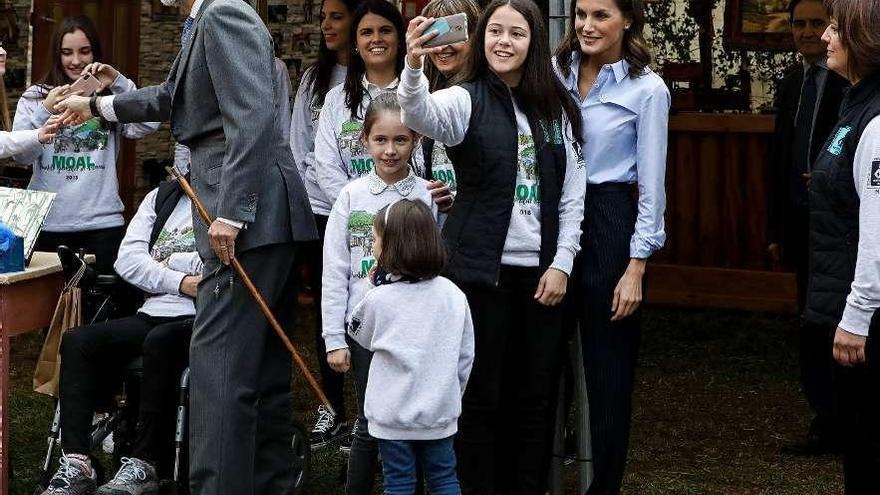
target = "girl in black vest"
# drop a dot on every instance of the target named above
(844, 286)
(512, 233)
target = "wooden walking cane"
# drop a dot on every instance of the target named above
(188, 190)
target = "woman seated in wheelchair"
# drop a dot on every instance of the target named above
(158, 255)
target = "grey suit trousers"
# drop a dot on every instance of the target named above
(240, 402)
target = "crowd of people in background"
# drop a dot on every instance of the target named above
(461, 211)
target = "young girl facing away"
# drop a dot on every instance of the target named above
(418, 327)
(349, 256)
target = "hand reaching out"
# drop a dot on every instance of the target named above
(441, 195)
(75, 110)
(49, 130)
(105, 73)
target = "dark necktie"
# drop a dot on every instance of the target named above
(187, 27)
(803, 130)
(804, 124)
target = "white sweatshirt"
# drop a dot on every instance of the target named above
(15, 142)
(445, 116)
(303, 127)
(159, 271)
(340, 156)
(348, 246)
(79, 165)
(422, 339)
(864, 297)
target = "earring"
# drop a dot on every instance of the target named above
(626, 27)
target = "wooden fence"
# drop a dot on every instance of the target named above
(716, 249)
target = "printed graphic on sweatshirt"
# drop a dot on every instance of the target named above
(441, 167)
(360, 241)
(349, 143)
(874, 182)
(182, 240)
(73, 148)
(527, 195)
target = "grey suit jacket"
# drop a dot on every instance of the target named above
(222, 99)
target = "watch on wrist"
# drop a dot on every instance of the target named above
(93, 106)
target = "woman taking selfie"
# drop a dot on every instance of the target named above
(603, 63)
(80, 165)
(440, 68)
(327, 72)
(512, 233)
(844, 286)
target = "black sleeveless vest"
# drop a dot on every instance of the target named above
(486, 164)
(167, 197)
(834, 207)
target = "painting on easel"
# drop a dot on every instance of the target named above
(24, 212)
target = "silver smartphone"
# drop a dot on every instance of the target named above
(451, 29)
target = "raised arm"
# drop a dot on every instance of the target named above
(122, 85)
(443, 116)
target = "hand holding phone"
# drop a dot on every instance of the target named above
(87, 85)
(450, 29)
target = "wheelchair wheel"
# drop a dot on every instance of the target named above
(301, 457)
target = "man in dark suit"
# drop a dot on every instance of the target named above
(218, 97)
(807, 102)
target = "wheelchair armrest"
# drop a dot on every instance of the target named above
(106, 280)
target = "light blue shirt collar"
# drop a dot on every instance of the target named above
(620, 69)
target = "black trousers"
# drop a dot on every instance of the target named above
(92, 359)
(240, 402)
(504, 436)
(857, 393)
(816, 361)
(817, 382)
(103, 243)
(610, 348)
(312, 255)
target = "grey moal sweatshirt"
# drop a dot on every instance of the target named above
(422, 339)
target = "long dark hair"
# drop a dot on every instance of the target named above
(56, 76)
(318, 78)
(440, 8)
(635, 48)
(542, 95)
(354, 90)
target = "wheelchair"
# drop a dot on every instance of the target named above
(100, 304)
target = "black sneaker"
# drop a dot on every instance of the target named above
(326, 428)
(135, 477)
(72, 478)
(345, 444)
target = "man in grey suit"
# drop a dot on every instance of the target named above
(218, 97)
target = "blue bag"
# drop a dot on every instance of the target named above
(11, 251)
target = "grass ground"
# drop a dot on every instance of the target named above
(716, 398)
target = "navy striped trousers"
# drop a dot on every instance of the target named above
(610, 348)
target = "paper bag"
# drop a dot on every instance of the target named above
(68, 314)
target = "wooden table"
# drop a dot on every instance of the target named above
(27, 302)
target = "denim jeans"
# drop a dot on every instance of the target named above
(436, 457)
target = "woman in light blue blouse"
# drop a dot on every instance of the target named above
(603, 63)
